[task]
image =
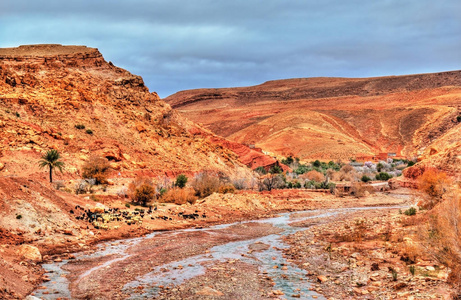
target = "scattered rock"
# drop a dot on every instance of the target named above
(322, 278)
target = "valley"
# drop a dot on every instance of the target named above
(328, 188)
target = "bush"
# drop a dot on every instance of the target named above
(96, 168)
(434, 184)
(261, 170)
(80, 126)
(205, 184)
(347, 169)
(410, 212)
(270, 182)
(240, 184)
(315, 175)
(226, 189)
(365, 178)
(302, 169)
(383, 176)
(89, 131)
(288, 161)
(179, 196)
(181, 181)
(316, 164)
(144, 194)
(275, 170)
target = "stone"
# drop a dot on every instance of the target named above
(322, 278)
(30, 252)
(278, 292)
(140, 127)
(2, 166)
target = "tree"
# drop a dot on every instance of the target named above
(96, 168)
(51, 160)
(270, 181)
(144, 194)
(181, 181)
(275, 170)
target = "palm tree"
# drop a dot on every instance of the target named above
(51, 159)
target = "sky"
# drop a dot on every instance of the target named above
(177, 45)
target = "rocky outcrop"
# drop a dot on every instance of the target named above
(69, 98)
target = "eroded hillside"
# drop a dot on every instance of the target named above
(69, 98)
(332, 118)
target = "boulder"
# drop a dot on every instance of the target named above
(30, 252)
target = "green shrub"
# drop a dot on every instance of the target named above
(302, 169)
(162, 191)
(383, 176)
(89, 131)
(80, 126)
(365, 178)
(127, 205)
(261, 170)
(275, 170)
(410, 212)
(412, 270)
(316, 163)
(19, 217)
(181, 181)
(288, 161)
(411, 163)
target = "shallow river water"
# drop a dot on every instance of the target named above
(292, 282)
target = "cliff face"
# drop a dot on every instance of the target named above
(332, 118)
(47, 90)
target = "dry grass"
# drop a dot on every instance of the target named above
(179, 196)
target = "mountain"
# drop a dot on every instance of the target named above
(69, 98)
(334, 118)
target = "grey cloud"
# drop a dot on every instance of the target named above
(179, 45)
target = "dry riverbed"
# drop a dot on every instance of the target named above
(367, 255)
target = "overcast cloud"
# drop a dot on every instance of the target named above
(176, 45)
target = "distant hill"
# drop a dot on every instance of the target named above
(334, 118)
